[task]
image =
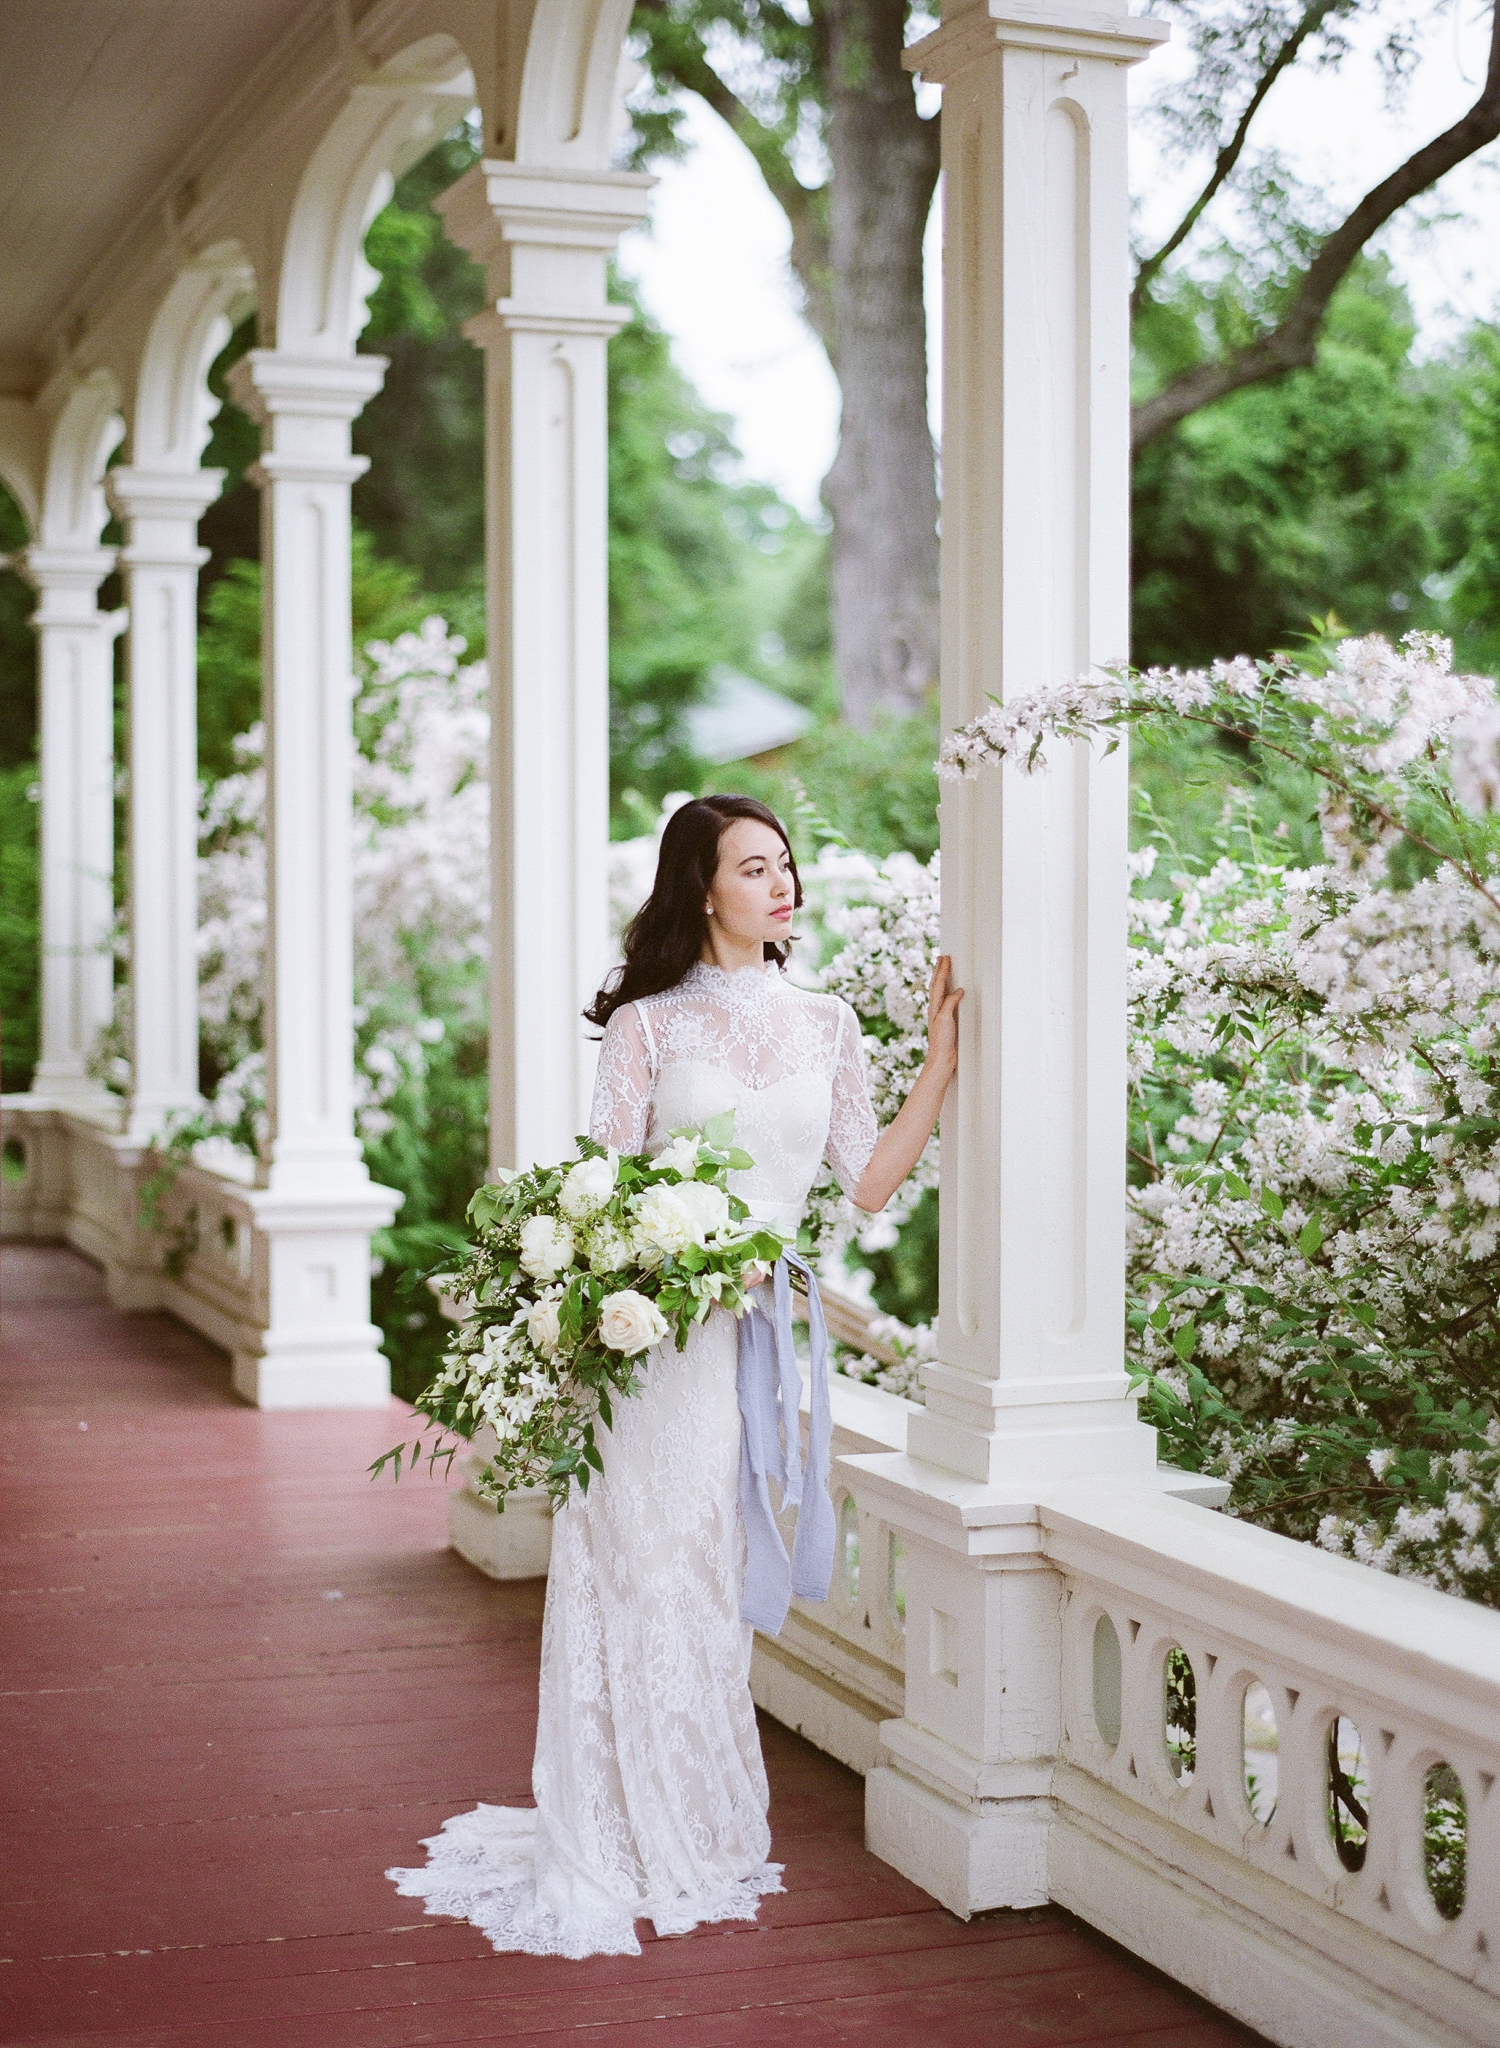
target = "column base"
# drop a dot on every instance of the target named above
(970, 1860)
(1028, 1432)
(515, 1545)
(69, 1089)
(310, 1262)
(310, 1370)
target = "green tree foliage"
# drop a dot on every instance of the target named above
(1474, 509)
(685, 545)
(690, 546)
(386, 600)
(1289, 500)
(422, 498)
(17, 645)
(19, 932)
(876, 788)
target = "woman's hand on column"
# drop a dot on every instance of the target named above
(943, 1000)
(900, 1144)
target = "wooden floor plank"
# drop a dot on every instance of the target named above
(212, 1761)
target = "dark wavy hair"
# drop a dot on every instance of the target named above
(666, 935)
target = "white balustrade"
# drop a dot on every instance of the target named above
(1318, 1911)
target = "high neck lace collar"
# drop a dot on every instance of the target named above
(738, 983)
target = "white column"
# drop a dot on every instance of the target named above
(1031, 1389)
(161, 558)
(544, 238)
(1036, 589)
(314, 1217)
(75, 676)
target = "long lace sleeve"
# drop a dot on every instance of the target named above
(852, 1129)
(623, 1083)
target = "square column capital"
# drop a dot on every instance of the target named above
(182, 495)
(161, 509)
(1072, 29)
(497, 203)
(270, 385)
(543, 237)
(67, 581)
(305, 405)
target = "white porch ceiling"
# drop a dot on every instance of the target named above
(99, 102)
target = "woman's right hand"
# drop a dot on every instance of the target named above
(943, 1000)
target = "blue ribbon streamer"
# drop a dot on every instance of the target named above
(770, 1395)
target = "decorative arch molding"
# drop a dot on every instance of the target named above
(391, 117)
(173, 406)
(86, 433)
(569, 104)
(23, 452)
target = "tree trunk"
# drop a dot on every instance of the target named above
(882, 488)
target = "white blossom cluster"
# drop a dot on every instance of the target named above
(420, 883)
(914, 1346)
(1313, 1243)
(1385, 706)
(885, 920)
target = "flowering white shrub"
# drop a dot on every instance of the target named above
(1315, 1077)
(887, 916)
(914, 1347)
(420, 876)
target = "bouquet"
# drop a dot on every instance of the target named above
(578, 1269)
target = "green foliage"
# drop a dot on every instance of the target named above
(386, 601)
(18, 718)
(777, 57)
(1474, 512)
(1286, 499)
(20, 936)
(694, 554)
(905, 1273)
(877, 789)
(683, 539)
(422, 498)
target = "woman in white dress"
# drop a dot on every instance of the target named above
(650, 1792)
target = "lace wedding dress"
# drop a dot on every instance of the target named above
(650, 1792)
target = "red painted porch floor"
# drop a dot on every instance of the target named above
(239, 1680)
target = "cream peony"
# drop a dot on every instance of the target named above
(546, 1248)
(663, 1221)
(542, 1326)
(681, 1156)
(707, 1205)
(588, 1186)
(608, 1251)
(630, 1323)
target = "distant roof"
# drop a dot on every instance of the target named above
(740, 717)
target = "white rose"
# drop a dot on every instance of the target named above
(664, 1222)
(681, 1156)
(546, 1248)
(630, 1323)
(588, 1186)
(543, 1327)
(707, 1205)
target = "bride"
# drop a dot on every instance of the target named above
(650, 1791)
